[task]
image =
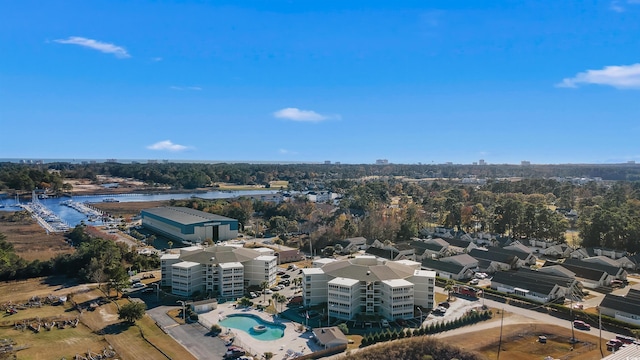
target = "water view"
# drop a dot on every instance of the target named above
(73, 217)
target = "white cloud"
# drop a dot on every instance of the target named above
(118, 51)
(296, 114)
(180, 88)
(621, 77)
(167, 145)
(156, 59)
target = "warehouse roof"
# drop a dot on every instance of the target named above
(185, 216)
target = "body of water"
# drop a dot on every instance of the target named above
(74, 217)
(246, 323)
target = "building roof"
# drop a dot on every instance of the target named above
(444, 266)
(230, 265)
(581, 272)
(459, 243)
(633, 294)
(312, 271)
(220, 255)
(535, 281)
(329, 335)
(350, 268)
(185, 216)
(343, 281)
(186, 264)
(494, 254)
(397, 282)
(611, 270)
(461, 259)
(620, 303)
(170, 256)
(383, 253)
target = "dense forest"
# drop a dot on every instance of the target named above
(301, 176)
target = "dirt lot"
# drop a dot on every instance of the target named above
(30, 240)
(520, 342)
(97, 329)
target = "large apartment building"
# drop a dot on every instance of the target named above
(223, 271)
(369, 286)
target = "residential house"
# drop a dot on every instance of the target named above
(623, 308)
(590, 278)
(534, 285)
(496, 259)
(459, 246)
(352, 245)
(448, 270)
(558, 251)
(329, 337)
(433, 249)
(599, 263)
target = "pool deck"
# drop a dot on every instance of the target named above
(292, 340)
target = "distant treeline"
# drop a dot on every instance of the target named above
(300, 176)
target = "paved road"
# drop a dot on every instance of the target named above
(192, 336)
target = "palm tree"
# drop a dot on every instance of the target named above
(264, 286)
(278, 299)
(449, 288)
(170, 243)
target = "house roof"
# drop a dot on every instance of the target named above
(599, 259)
(581, 272)
(633, 294)
(539, 283)
(494, 254)
(518, 247)
(461, 259)
(623, 304)
(330, 335)
(383, 253)
(459, 243)
(438, 241)
(611, 270)
(444, 266)
(186, 216)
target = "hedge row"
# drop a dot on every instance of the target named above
(387, 335)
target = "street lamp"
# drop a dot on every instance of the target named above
(419, 309)
(157, 286)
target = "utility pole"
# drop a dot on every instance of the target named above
(600, 327)
(500, 341)
(573, 337)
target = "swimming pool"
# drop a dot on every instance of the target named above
(246, 322)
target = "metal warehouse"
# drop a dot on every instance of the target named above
(189, 225)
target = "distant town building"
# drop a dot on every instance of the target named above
(481, 162)
(525, 163)
(327, 162)
(382, 162)
(112, 160)
(152, 161)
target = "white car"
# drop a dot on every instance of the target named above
(137, 285)
(384, 323)
(268, 292)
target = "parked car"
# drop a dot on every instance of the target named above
(253, 295)
(280, 273)
(137, 285)
(286, 276)
(474, 282)
(445, 304)
(268, 291)
(384, 323)
(614, 344)
(579, 324)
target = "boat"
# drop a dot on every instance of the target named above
(110, 200)
(259, 328)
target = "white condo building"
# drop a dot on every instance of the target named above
(223, 271)
(370, 286)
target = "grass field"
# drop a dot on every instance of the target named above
(30, 240)
(520, 342)
(97, 329)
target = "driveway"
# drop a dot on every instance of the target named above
(192, 336)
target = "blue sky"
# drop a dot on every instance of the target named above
(348, 81)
